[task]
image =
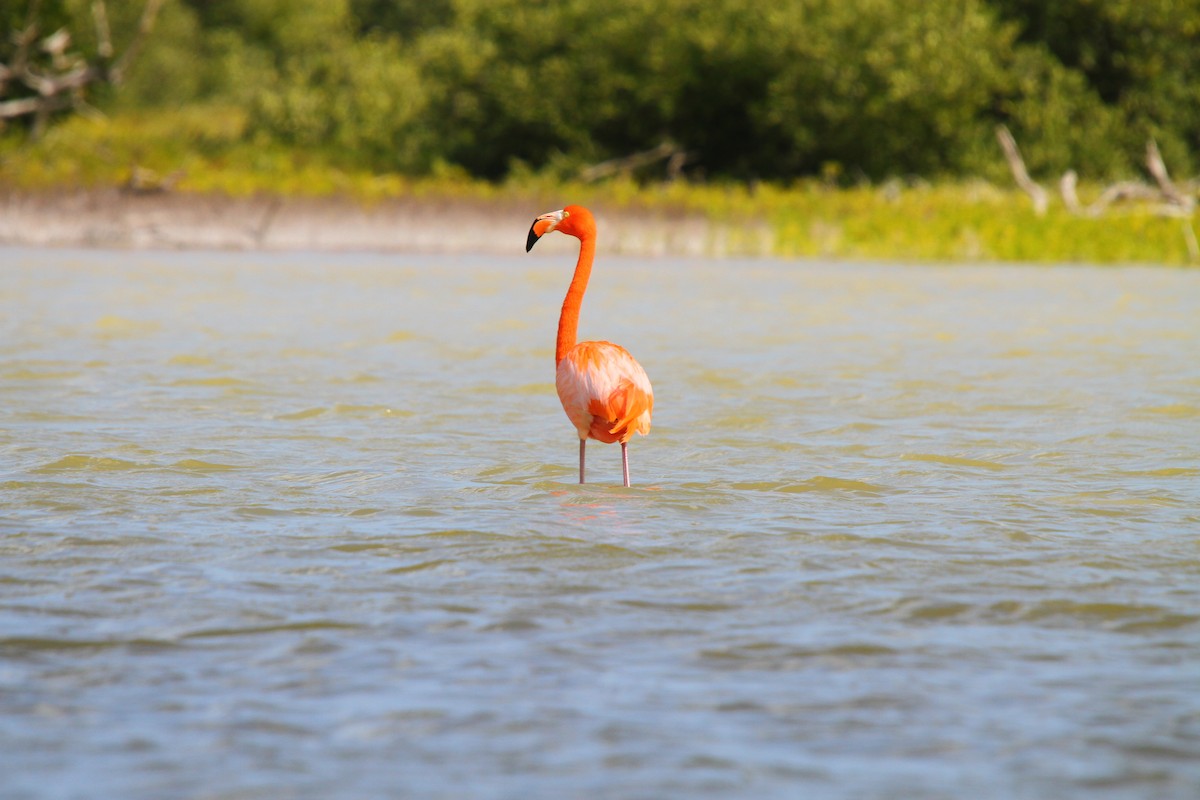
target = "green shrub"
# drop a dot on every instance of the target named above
(749, 90)
(360, 101)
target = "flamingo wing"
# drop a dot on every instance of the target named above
(605, 392)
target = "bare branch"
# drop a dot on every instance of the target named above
(145, 26)
(31, 13)
(1126, 190)
(75, 79)
(103, 32)
(1020, 174)
(55, 73)
(1158, 169)
(666, 150)
(1067, 186)
(11, 109)
(1189, 237)
(24, 41)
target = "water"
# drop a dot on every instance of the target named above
(305, 526)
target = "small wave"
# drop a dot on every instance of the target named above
(24, 374)
(92, 463)
(346, 409)
(214, 381)
(86, 463)
(820, 483)
(465, 535)
(26, 644)
(283, 627)
(196, 465)
(1121, 617)
(307, 413)
(112, 326)
(350, 409)
(42, 415)
(256, 511)
(1111, 503)
(824, 483)
(740, 422)
(1180, 410)
(717, 378)
(1167, 472)
(851, 427)
(364, 512)
(1125, 616)
(533, 389)
(512, 626)
(954, 461)
(419, 567)
(774, 656)
(694, 607)
(190, 360)
(423, 511)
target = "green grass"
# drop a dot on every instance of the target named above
(207, 151)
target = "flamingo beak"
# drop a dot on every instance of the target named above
(541, 226)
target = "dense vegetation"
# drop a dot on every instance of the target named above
(747, 89)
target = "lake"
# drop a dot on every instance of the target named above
(306, 525)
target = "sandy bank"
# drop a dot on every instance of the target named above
(116, 218)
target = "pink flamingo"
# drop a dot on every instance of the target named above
(604, 391)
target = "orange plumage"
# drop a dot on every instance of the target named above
(604, 391)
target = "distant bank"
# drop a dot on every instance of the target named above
(119, 218)
(948, 223)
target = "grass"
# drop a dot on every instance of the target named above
(207, 151)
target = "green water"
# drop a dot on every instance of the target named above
(306, 526)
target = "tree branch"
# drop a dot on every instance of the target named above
(1020, 174)
(667, 150)
(145, 26)
(1158, 170)
(55, 75)
(104, 44)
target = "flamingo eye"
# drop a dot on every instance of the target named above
(566, 214)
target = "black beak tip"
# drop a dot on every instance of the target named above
(531, 240)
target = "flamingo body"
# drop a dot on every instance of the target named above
(604, 391)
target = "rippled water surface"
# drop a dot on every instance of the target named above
(306, 526)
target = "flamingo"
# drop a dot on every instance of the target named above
(604, 391)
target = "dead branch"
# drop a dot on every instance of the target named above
(1177, 202)
(675, 157)
(1020, 174)
(145, 27)
(1126, 190)
(1171, 200)
(1070, 197)
(1189, 237)
(47, 76)
(1118, 192)
(103, 33)
(1154, 163)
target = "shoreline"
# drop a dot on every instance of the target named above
(849, 226)
(123, 219)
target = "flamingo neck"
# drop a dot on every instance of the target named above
(568, 321)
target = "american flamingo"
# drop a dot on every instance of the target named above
(604, 391)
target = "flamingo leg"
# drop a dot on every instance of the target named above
(582, 447)
(625, 463)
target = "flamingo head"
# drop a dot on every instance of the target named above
(576, 221)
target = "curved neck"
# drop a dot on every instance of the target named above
(568, 320)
